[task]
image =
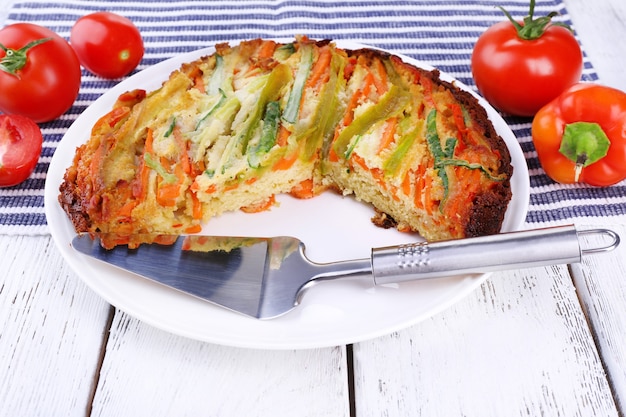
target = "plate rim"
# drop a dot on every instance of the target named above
(514, 220)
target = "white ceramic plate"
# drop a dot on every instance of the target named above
(333, 228)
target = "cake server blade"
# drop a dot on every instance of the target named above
(265, 277)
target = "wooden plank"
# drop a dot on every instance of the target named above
(600, 280)
(601, 284)
(51, 331)
(519, 345)
(600, 26)
(162, 375)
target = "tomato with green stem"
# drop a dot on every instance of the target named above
(20, 147)
(39, 72)
(107, 44)
(519, 67)
(581, 135)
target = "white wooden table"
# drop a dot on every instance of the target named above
(542, 341)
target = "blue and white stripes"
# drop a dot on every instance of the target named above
(441, 33)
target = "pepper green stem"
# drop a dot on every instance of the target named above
(15, 59)
(533, 28)
(584, 143)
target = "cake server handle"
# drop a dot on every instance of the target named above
(505, 251)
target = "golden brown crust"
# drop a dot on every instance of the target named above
(72, 204)
(384, 220)
(487, 212)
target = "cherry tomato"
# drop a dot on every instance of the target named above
(107, 44)
(39, 72)
(20, 146)
(521, 66)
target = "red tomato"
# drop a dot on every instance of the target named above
(521, 66)
(20, 146)
(40, 73)
(107, 44)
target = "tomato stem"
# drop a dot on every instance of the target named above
(532, 28)
(15, 59)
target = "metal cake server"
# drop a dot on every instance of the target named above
(265, 277)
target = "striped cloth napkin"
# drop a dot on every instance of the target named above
(441, 33)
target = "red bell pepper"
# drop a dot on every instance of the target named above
(581, 135)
